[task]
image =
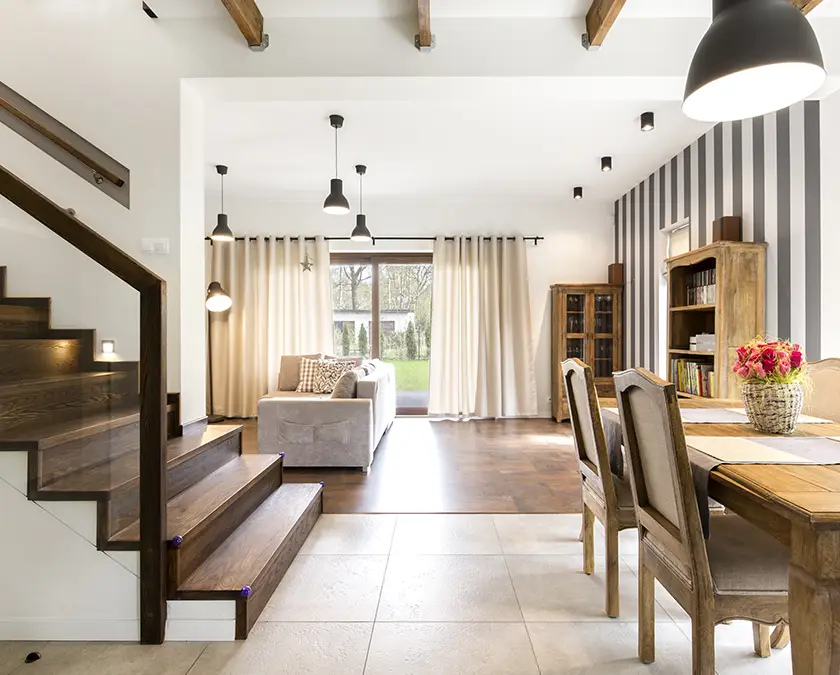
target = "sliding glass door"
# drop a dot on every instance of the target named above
(382, 309)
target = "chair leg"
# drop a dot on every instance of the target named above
(588, 540)
(612, 571)
(761, 640)
(647, 614)
(702, 644)
(780, 638)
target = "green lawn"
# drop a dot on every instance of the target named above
(411, 375)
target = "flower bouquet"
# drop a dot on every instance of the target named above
(773, 374)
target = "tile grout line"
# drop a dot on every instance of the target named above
(515, 594)
(200, 654)
(381, 591)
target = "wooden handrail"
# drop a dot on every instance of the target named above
(152, 387)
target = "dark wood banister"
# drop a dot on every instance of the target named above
(152, 291)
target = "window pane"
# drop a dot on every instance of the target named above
(351, 298)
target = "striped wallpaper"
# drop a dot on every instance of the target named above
(766, 170)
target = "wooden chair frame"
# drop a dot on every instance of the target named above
(677, 556)
(598, 489)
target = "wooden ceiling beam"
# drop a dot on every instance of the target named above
(249, 19)
(424, 40)
(805, 6)
(599, 20)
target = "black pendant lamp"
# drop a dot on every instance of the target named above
(361, 231)
(758, 56)
(217, 299)
(222, 232)
(336, 203)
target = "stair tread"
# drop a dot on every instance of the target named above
(125, 469)
(187, 511)
(42, 435)
(250, 548)
(57, 379)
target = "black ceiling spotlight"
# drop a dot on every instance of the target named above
(758, 56)
(361, 231)
(647, 121)
(578, 193)
(606, 164)
(222, 232)
(336, 203)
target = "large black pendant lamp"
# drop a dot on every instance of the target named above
(336, 203)
(758, 56)
(222, 232)
(361, 231)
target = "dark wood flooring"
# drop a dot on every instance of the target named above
(423, 466)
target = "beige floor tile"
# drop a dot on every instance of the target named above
(607, 649)
(12, 654)
(675, 611)
(445, 535)
(734, 653)
(328, 588)
(450, 648)
(290, 649)
(549, 534)
(110, 658)
(448, 588)
(342, 534)
(554, 588)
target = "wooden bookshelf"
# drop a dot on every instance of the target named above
(735, 317)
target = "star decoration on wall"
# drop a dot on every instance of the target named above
(307, 263)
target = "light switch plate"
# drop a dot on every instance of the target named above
(155, 245)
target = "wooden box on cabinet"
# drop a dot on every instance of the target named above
(585, 324)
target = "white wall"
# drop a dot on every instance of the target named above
(578, 240)
(830, 233)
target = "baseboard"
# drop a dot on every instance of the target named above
(70, 629)
(194, 426)
(201, 621)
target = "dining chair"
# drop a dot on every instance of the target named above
(823, 398)
(738, 573)
(605, 496)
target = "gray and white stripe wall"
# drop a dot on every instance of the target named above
(766, 170)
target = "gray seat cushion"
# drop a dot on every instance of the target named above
(743, 558)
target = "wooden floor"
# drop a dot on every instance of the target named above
(423, 466)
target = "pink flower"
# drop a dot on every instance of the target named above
(758, 368)
(796, 357)
(784, 364)
(743, 371)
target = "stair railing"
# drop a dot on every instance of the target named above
(152, 386)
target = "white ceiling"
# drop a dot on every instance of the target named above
(494, 148)
(450, 8)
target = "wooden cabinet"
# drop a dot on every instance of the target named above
(585, 324)
(717, 290)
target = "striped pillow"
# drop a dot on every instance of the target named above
(308, 373)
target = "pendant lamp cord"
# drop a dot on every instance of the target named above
(222, 177)
(336, 152)
(361, 198)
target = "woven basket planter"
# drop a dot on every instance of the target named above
(773, 408)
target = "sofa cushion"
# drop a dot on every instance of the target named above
(346, 385)
(308, 373)
(289, 377)
(328, 373)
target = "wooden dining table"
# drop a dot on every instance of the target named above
(799, 504)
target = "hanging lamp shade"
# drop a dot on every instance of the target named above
(336, 203)
(217, 299)
(758, 56)
(222, 231)
(361, 231)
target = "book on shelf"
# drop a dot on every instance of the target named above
(702, 342)
(701, 288)
(693, 378)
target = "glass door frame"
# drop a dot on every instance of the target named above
(375, 260)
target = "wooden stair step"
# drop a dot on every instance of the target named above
(39, 436)
(22, 358)
(24, 317)
(257, 554)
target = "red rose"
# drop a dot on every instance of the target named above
(795, 359)
(741, 352)
(769, 365)
(768, 353)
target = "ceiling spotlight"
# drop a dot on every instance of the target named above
(758, 56)
(222, 232)
(578, 193)
(606, 163)
(336, 203)
(647, 121)
(361, 231)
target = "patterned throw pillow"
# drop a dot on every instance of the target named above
(308, 373)
(328, 373)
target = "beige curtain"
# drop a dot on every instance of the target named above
(482, 360)
(278, 308)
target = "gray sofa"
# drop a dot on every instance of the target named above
(314, 430)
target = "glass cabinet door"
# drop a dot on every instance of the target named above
(576, 348)
(603, 357)
(576, 313)
(604, 304)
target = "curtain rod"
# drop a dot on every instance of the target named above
(375, 239)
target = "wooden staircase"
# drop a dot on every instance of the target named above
(234, 527)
